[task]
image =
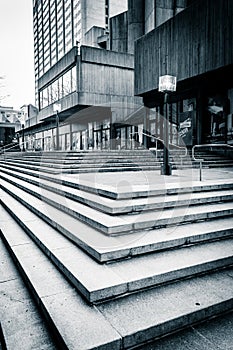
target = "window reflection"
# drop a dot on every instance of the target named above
(63, 86)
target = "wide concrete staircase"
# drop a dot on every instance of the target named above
(109, 161)
(86, 161)
(113, 267)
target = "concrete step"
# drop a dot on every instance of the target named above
(76, 324)
(80, 157)
(209, 335)
(126, 276)
(88, 164)
(21, 323)
(28, 195)
(123, 192)
(105, 167)
(109, 165)
(83, 169)
(106, 248)
(110, 206)
(127, 321)
(88, 157)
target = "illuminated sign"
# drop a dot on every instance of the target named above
(167, 83)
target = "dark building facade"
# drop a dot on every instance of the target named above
(196, 47)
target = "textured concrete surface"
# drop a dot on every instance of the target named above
(135, 318)
(98, 282)
(214, 334)
(146, 315)
(122, 223)
(109, 205)
(21, 322)
(80, 325)
(104, 248)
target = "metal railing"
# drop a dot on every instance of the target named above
(157, 139)
(7, 148)
(207, 145)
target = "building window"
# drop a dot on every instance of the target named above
(60, 88)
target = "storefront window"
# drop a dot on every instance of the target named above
(74, 141)
(185, 122)
(215, 124)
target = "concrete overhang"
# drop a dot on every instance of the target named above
(186, 46)
(59, 68)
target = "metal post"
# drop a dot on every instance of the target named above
(166, 168)
(201, 170)
(57, 131)
(23, 139)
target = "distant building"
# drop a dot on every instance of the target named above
(10, 122)
(28, 122)
(75, 69)
(59, 25)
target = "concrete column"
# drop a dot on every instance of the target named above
(135, 22)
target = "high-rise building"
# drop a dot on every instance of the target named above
(111, 53)
(61, 24)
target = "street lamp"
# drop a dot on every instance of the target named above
(57, 109)
(23, 138)
(167, 83)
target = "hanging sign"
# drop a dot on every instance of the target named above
(167, 83)
(57, 107)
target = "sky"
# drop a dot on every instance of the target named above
(16, 53)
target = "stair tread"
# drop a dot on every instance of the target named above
(139, 317)
(97, 282)
(111, 190)
(110, 206)
(145, 315)
(104, 248)
(20, 318)
(69, 312)
(123, 222)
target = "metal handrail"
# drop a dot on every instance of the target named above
(15, 145)
(6, 146)
(160, 140)
(200, 160)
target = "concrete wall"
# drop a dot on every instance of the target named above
(92, 15)
(135, 22)
(104, 78)
(119, 33)
(195, 41)
(91, 37)
(67, 61)
(150, 11)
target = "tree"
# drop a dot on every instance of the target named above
(2, 86)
